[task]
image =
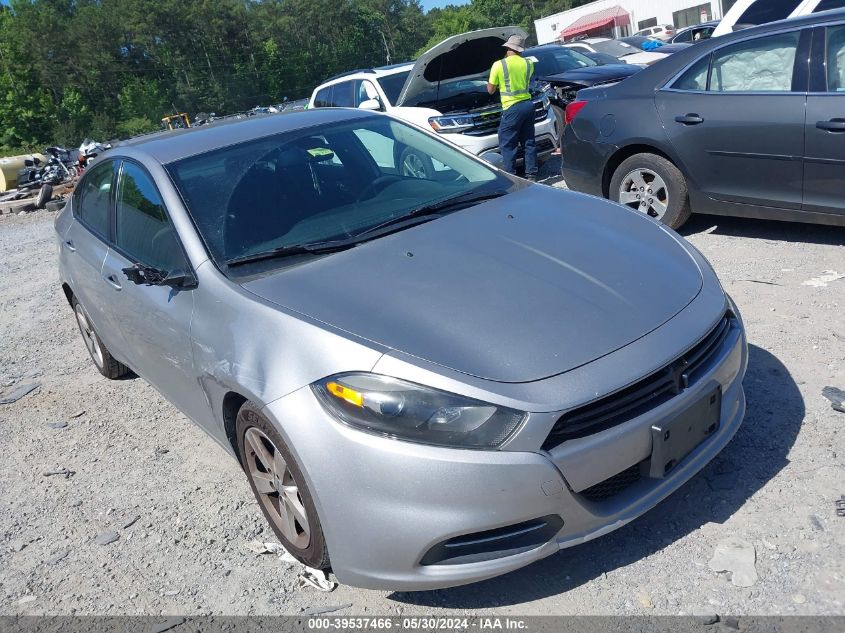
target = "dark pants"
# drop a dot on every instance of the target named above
(517, 129)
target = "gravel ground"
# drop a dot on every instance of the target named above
(182, 512)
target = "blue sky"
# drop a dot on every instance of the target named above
(430, 4)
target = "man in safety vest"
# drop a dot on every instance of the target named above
(511, 77)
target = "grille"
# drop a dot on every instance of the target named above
(643, 395)
(488, 122)
(613, 485)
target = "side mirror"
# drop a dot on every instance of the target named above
(493, 157)
(370, 104)
(179, 279)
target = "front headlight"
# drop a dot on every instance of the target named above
(415, 413)
(452, 124)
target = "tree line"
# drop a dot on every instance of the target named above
(71, 69)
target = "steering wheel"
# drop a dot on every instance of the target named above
(376, 186)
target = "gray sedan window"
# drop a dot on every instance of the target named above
(144, 231)
(93, 198)
(836, 59)
(762, 64)
(319, 184)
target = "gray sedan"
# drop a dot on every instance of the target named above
(427, 382)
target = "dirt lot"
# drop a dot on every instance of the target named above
(184, 513)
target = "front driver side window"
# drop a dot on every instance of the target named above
(92, 204)
(144, 232)
(836, 59)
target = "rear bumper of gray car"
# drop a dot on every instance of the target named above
(583, 162)
(404, 516)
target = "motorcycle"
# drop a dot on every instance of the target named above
(58, 168)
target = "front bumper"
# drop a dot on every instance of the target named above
(545, 136)
(385, 504)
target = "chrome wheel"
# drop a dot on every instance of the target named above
(89, 337)
(277, 490)
(645, 191)
(413, 166)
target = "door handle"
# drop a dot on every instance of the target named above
(689, 119)
(113, 281)
(834, 125)
(69, 245)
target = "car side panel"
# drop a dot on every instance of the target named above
(245, 345)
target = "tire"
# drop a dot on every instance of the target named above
(45, 194)
(667, 201)
(55, 205)
(305, 541)
(415, 165)
(103, 360)
(559, 123)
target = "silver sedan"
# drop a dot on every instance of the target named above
(427, 381)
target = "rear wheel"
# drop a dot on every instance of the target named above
(103, 360)
(653, 186)
(279, 486)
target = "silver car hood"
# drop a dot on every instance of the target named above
(456, 57)
(516, 289)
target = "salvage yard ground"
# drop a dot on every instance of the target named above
(176, 515)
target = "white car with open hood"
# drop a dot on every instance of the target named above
(445, 90)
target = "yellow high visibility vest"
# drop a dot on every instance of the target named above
(512, 75)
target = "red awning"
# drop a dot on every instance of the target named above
(614, 16)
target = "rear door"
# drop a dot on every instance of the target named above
(824, 162)
(86, 245)
(154, 321)
(736, 120)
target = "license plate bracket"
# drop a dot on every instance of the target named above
(674, 439)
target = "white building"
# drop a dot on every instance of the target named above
(618, 18)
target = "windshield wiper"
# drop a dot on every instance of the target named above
(433, 210)
(292, 249)
(424, 213)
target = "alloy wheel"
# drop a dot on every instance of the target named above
(413, 166)
(89, 337)
(277, 489)
(645, 191)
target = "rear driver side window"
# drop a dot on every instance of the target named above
(836, 59)
(764, 64)
(92, 206)
(144, 231)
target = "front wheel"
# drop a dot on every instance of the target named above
(414, 164)
(279, 486)
(653, 186)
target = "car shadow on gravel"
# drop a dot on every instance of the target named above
(765, 229)
(757, 453)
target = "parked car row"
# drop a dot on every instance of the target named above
(748, 124)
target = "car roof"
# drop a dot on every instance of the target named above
(543, 47)
(171, 146)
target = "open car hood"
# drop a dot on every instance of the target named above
(457, 57)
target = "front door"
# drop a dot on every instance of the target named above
(155, 321)
(824, 162)
(736, 120)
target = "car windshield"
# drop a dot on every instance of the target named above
(554, 61)
(392, 85)
(330, 183)
(614, 47)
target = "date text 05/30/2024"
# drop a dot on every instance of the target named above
(417, 623)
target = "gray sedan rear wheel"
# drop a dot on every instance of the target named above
(103, 360)
(653, 186)
(280, 488)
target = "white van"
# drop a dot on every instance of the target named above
(747, 13)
